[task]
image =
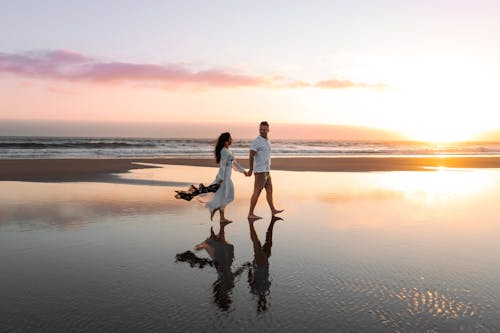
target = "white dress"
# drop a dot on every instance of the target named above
(225, 193)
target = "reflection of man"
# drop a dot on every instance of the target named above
(258, 274)
(260, 165)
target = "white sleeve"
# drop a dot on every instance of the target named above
(222, 166)
(254, 145)
(238, 167)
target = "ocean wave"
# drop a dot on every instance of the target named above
(33, 147)
(71, 145)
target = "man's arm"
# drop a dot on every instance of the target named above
(250, 162)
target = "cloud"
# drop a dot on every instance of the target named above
(50, 64)
(335, 84)
(72, 66)
(343, 84)
(75, 67)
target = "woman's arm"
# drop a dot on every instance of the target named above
(238, 167)
(221, 175)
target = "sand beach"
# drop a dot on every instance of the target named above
(103, 245)
(88, 169)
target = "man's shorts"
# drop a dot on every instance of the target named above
(262, 179)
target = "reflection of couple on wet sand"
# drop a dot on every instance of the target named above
(222, 188)
(222, 255)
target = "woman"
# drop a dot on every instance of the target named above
(225, 194)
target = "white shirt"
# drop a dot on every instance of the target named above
(262, 159)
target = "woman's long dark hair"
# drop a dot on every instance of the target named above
(220, 144)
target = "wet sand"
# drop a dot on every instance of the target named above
(355, 252)
(91, 169)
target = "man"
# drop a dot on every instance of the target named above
(260, 165)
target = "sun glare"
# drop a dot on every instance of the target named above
(436, 187)
(440, 135)
(434, 102)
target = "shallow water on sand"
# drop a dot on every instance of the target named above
(395, 251)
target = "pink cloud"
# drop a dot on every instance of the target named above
(334, 84)
(344, 84)
(72, 66)
(50, 64)
(172, 74)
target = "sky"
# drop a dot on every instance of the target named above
(427, 69)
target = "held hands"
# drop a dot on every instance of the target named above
(248, 173)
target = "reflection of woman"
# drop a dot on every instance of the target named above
(225, 193)
(258, 274)
(222, 254)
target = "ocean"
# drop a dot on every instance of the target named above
(78, 147)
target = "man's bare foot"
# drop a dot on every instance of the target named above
(225, 221)
(276, 218)
(213, 213)
(277, 211)
(253, 217)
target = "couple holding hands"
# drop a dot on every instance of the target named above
(259, 165)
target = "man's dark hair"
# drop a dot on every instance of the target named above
(264, 123)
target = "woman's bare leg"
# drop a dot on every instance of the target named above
(222, 216)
